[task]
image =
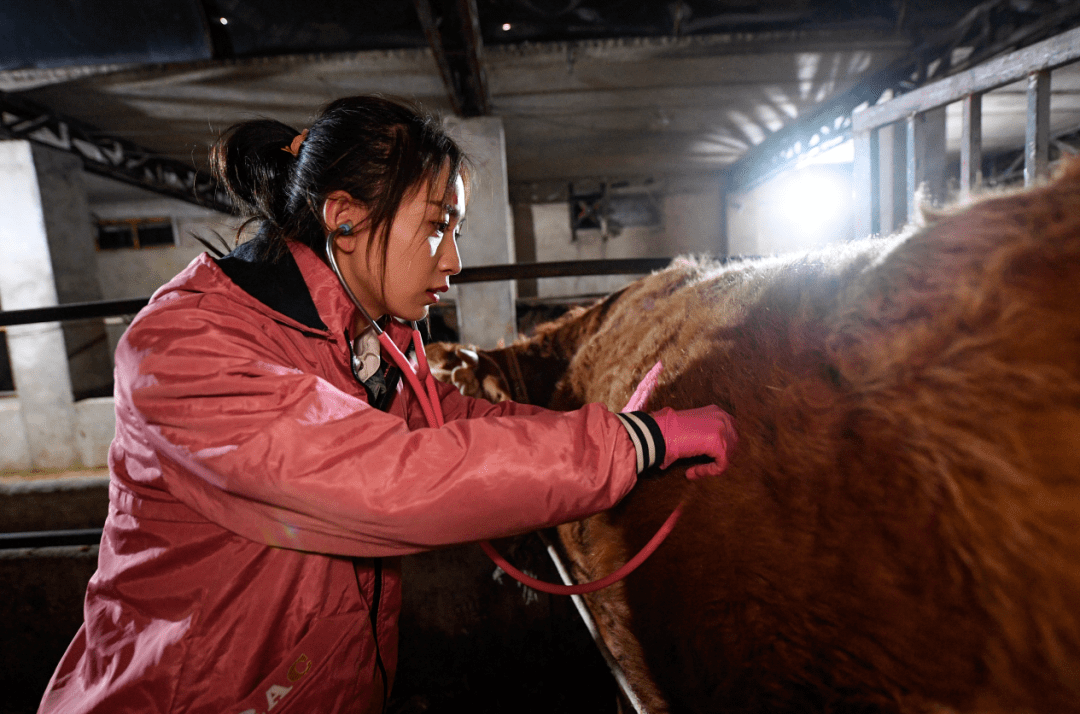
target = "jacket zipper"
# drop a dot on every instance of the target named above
(376, 595)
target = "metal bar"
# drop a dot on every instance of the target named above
(73, 311)
(109, 156)
(892, 143)
(590, 625)
(926, 159)
(931, 166)
(1046, 55)
(886, 158)
(47, 539)
(863, 176)
(971, 146)
(560, 269)
(480, 274)
(1037, 139)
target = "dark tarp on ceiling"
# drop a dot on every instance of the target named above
(57, 33)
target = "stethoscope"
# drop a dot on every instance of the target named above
(423, 385)
(429, 401)
(420, 379)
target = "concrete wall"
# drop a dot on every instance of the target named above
(79, 272)
(66, 214)
(691, 223)
(130, 273)
(41, 611)
(95, 427)
(64, 503)
(37, 352)
(14, 448)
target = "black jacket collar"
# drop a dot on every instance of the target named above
(278, 284)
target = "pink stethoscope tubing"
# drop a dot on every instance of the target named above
(429, 402)
(425, 393)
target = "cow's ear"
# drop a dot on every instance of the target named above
(469, 357)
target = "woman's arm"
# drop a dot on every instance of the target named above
(283, 457)
(458, 406)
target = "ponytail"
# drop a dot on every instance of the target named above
(249, 163)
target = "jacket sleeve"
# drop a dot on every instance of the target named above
(457, 406)
(281, 456)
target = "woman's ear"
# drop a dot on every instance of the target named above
(340, 209)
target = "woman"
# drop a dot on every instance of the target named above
(268, 459)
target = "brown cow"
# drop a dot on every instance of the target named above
(899, 529)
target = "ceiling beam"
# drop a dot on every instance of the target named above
(109, 156)
(452, 28)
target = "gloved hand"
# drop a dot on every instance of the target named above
(705, 431)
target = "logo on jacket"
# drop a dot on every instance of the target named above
(276, 692)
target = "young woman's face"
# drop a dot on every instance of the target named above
(421, 255)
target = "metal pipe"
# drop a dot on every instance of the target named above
(590, 625)
(47, 539)
(486, 273)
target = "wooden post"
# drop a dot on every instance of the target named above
(1037, 141)
(892, 211)
(925, 158)
(971, 146)
(910, 165)
(864, 182)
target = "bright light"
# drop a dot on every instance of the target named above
(506, 27)
(223, 20)
(810, 199)
(807, 207)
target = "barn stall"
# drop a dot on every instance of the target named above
(874, 139)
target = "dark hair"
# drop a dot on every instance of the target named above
(374, 148)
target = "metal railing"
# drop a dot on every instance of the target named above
(110, 308)
(915, 122)
(480, 274)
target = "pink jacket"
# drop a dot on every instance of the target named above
(255, 493)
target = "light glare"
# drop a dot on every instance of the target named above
(806, 208)
(810, 200)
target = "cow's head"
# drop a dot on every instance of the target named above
(530, 370)
(472, 371)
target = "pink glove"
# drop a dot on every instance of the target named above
(705, 431)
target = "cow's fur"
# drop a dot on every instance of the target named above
(899, 528)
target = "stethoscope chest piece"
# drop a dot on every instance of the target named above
(420, 379)
(365, 355)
